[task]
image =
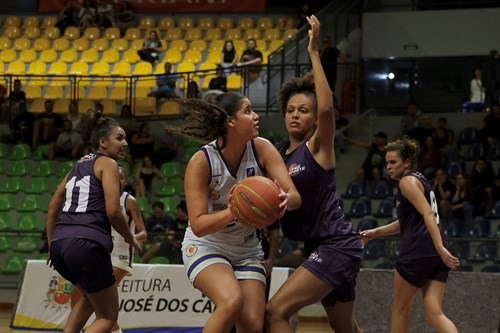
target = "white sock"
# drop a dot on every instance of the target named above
(117, 331)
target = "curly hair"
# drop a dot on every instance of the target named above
(297, 85)
(207, 119)
(100, 127)
(407, 148)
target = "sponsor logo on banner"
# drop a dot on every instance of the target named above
(58, 294)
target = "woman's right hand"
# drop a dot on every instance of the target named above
(449, 260)
(368, 235)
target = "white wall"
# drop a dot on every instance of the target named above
(434, 33)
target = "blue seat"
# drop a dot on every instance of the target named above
(454, 228)
(455, 167)
(485, 251)
(460, 249)
(381, 190)
(386, 208)
(355, 189)
(475, 151)
(366, 224)
(494, 213)
(480, 228)
(374, 249)
(360, 208)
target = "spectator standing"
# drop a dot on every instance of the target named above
(87, 16)
(228, 57)
(151, 48)
(329, 55)
(66, 17)
(411, 120)
(491, 79)
(125, 18)
(476, 100)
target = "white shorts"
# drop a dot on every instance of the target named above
(122, 259)
(247, 264)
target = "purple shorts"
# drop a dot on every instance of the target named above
(418, 271)
(338, 266)
(82, 262)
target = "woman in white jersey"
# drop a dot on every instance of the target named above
(223, 257)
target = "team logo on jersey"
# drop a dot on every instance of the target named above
(250, 172)
(295, 169)
(191, 250)
(214, 195)
(59, 294)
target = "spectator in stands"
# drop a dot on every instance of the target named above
(128, 121)
(423, 130)
(16, 96)
(411, 120)
(482, 182)
(193, 91)
(105, 15)
(167, 145)
(252, 59)
(166, 84)
(21, 127)
(443, 136)
(476, 100)
(87, 16)
(142, 142)
(429, 158)
(47, 126)
(151, 48)
(66, 17)
(159, 223)
(125, 18)
(218, 83)
(181, 219)
(490, 130)
(228, 57)
(374, 164)
(79, 121)
(99, 107)
(461, 206)
(144, 177)
(496, 187)
(330, 55)
(340, 125)
(68, 144)
(302, 14)
(491, 79)
(443, 188)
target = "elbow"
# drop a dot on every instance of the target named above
(198, 231)
(295, 202)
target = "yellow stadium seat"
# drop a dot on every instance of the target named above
(80, 92)
(265, 23)
(186, 23)
(8, 55)
(38, 105)
(143, 68)
(142, 91)
(92, 33)
(261, 45)
(240, 46)
(72, 33)
(213, 34)
(109, 107)
(166, 23)
(28, 55)
(16, 67)
(61, 105)
(33, 92)
(193, 34)
(184, 81)
(206, 23)
(252, 33)
(69, 55)
(217, 45)
(160, 68)
(289, 33)
(275, 44)
(147, 23)
(120, 44)
(234, 82)
(121, 68)
(32, 32)
(31, 21)
(85, 104)
(145, 105)
(198, 45)
(13, 21)
(12, 32)
(146, 81)
(206, 82)
(111, 56)
(214, 57)
(100, 44)
(54, 92)
(193, 56)
(225, 23)
(136, 45)
(41, 44)
(81, 44)
(51, 33)
(37, 68)
(173, 56)
(112, 33)
(284, 23)
(89, 56)
(61, 44)
(118, 93)
(49, 21)
(100, 68)
(131, 56)
(245, 23)
(271, 34)
(132, 34)
(58, 68)
(4, 43)
(48, 56)
(22, 44)
(265, 55)
(79, 68)
(170, 108)
(233, 34)
(97, 93)
(186, 67)
(207, 66)
(173, 34)
(179, 45)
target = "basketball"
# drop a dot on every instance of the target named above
(255, 202)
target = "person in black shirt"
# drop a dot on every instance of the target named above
(47, 126)
(21, 127)
(329, 56)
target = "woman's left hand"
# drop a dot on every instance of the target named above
(284, 197)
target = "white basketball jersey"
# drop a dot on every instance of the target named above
(121, 249)
(221, 182)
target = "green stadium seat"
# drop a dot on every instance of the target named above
(27, 244)
(20, 151)
(160, 260)
(46, 202)
(170, 205)
(13, 264)
(5, 221)
(4, 150)
(19, 168)
(137, 259)
(38, 185)
(5, 243)
(6, 202)
(43, 169)
(171, 169)
(43, 256)
(65, 168)
(41, 152)
(30, 203)
(143, 204)
(27, 222)
(2, 166)
(166, 190)
(188, 152)
(12, 185)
